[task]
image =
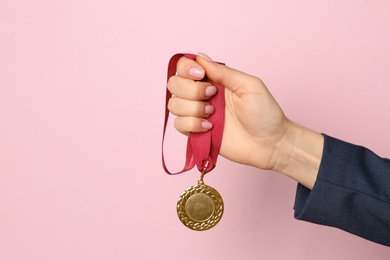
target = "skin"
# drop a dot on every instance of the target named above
(256, 131)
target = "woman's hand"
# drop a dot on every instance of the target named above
(256, 131)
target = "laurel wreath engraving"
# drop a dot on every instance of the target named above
(200, 225)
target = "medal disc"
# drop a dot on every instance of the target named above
(200, 207)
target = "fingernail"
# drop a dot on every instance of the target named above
(207, 125)
(210, 90)
(204, 56)
(197, 72)
(209, 109)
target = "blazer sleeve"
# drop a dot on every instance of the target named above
(352, 192)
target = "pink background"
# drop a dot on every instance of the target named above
(82, 87)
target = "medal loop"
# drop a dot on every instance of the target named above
(202, 148)
(200, 181)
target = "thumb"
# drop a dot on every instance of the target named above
(232, 79)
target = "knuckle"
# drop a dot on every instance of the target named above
(171, 83)
(171, 103)
(178, 125)
(182, 64)
(194, 111)
(197, 92)
(198, 109)
(192, 125)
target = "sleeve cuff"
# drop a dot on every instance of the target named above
(352, 192)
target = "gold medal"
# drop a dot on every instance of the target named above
(200, 207)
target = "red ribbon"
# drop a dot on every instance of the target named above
(202, 148)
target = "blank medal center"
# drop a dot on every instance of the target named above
(200, 207)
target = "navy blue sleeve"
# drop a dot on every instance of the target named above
(352, 192)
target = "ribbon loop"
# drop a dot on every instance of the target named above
(202, 148)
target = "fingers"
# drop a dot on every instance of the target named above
(186, 125)
(190, 69)
(183, 107)
(189, 97)
(191, 115)
(190, 89)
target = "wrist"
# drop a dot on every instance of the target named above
(298, 154)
